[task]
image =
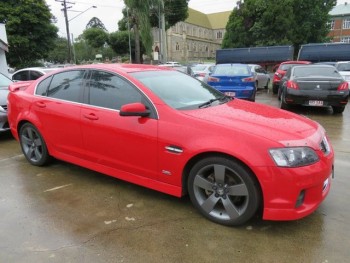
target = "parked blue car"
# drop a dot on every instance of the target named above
(234, 80)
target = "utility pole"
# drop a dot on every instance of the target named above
(164, 44)
(64, 9)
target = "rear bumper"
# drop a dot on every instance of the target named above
(329, 98)
(241, 92)
(4, 125)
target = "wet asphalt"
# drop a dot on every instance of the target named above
(65, 213)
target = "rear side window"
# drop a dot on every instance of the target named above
(110, 91)
(33, 75)
(67, 85)
(42, 87)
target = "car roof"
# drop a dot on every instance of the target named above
(296, 62)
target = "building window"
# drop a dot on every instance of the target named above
(177, 47)
(346, 23)
(331, 24)
(345, 40)
(219, 35)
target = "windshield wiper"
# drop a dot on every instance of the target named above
(222, 99)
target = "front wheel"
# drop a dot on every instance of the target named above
(33, 145)
(224, 191)
(275, 89)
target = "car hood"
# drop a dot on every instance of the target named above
(261, 120)
(3, 95)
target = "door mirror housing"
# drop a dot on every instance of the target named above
(134, 109)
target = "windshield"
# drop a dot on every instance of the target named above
(316, 71)
(177, 89)
(231, 70)
(4, 81)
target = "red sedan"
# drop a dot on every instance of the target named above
(281, 71)
(167, 131)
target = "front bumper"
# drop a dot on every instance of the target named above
(293, 193)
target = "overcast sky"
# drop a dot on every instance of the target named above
(110, 12)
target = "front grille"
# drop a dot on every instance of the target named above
(324, 145)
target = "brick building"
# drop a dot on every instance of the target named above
(340, 23)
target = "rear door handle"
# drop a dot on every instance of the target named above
(91, 116)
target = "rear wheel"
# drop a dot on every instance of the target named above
(223, 190)
(267, 84)
(283, 104)
(33, 145)
(338, 109)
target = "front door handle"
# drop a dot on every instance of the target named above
(91, 116)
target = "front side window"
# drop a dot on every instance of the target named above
(67, 85)
(107, 90)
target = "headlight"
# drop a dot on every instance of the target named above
(294, 157)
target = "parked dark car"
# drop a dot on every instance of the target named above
(4, 83)
(236, 80)
(314, 85)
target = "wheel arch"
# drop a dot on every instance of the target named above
(196, 158)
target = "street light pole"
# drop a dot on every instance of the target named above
(82, 12)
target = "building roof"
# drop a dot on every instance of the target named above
(211, 21)
(339, 10)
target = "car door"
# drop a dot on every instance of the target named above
(122, 143)
(57, 106)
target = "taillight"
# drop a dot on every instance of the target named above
(278, 75)
(343, 86)
(201, 74)
(292, 85)
(250, 79)
(212, 79)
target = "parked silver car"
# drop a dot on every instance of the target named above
(200, 71)
(262, 78)
(4, 83)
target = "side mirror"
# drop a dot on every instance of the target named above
(134, 109)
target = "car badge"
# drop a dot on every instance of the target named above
(318, 87)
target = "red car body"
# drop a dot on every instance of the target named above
(158, 153)
(281, 71)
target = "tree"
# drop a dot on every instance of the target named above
(96, 23)
(96, 37)
(145, 14)
(263, 22)
(58, 53)
(30, 33)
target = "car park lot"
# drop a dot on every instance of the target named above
(65, 213)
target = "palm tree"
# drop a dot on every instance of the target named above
(139, 18)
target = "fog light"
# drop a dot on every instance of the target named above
(300, 199)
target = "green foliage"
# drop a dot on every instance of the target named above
(119, 42)
(266, 23)
(95, 37)
(58, 53)
(30, 32)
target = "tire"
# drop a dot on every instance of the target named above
(274, 89)
(224, 191)
(267, 84)
(33, 145)
(283, 104)
(338, 109)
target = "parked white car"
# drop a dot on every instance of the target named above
(343, 68)
(262, 77)
(31, 73)
(200, 71)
